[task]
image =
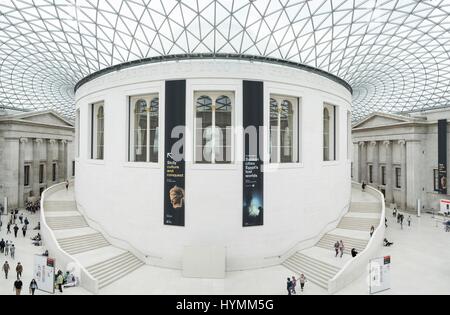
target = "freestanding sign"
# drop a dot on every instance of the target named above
(253, 203)
(44, 273)
(380, 274)
(442, 152)
(445, 207)
(175, 162)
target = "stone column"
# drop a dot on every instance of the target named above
(376, 163)
(50, 152)
(389, 172)
(23, 143)
(62, 161)
(36, 165)
(402, 144)
(363, 162)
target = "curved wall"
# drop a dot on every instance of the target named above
(128, 198)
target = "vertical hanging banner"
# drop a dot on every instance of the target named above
(175, 162)
(253, 110)
(442, 159)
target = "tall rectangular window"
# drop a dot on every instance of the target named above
(284, 129)
(436, 180)
(330, 122)
(77, 131)
(41, 173)
(383, 175)
(144, 129)
(54, 172)
(214, 127)
(371, 174)
(73, 168)
(97, 131)
(398, 177)
(26, 175)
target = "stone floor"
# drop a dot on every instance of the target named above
(420, 265)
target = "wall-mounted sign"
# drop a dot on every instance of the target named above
(175, 159)
(442, 152)
(380, 274)
(253, 203)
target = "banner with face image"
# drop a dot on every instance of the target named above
(442, 152)
(175, 162)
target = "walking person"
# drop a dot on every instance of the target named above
(294, 285)
(372, 230)
(18, 286)
(336, 248)
(60, 281)
(341, 248)
(6, 269)
(2, 246)
(409, 221)
(67, 185)
(24, 231)
(19, 270)
(33, 286)
(289, 286)
(13, 252)
(16, 230)
(26, 222)
(302, 281)
(401, 220)
(21, 218)
(363, 186)
(8, 228)
(7, 244)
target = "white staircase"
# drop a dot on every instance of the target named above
(314, 270)
(104, 262)
(81, 244)
(319, 264)
(108, 272)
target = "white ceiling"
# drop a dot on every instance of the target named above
(394, 53)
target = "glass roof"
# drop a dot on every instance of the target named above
(394, 53)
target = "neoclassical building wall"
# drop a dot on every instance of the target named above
(406, 142)
(33, 139)
(127, 198)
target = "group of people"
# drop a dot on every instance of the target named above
(339, 248)
(33, 207)
(8, 248)
(292, 284)
(401, 218)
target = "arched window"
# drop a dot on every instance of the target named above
(326, 134)
(214, 126)
(144, 129)
(284, 129)
(100, 133)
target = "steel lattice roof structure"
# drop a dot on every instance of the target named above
(394, 53)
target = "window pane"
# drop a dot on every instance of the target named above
(154, 130)
(140, 131)
(326, 134)
(204, 134)
(287, 132)
(100, 133)
(274, 131)
(223, 131)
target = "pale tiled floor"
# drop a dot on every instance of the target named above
(420, 265)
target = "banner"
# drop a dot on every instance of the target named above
(442, 159)
(380, 274)
(175, 162)
(44, 273)
(253, 203)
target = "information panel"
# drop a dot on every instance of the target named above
(380, 274)
(442, 148)
(175, 162)
(253, 203)
(44, 273)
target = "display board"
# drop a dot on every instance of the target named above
(444, 207)
(442, 159)
(380, 274)
(175, 160)
(44, 273)
(253, 203)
